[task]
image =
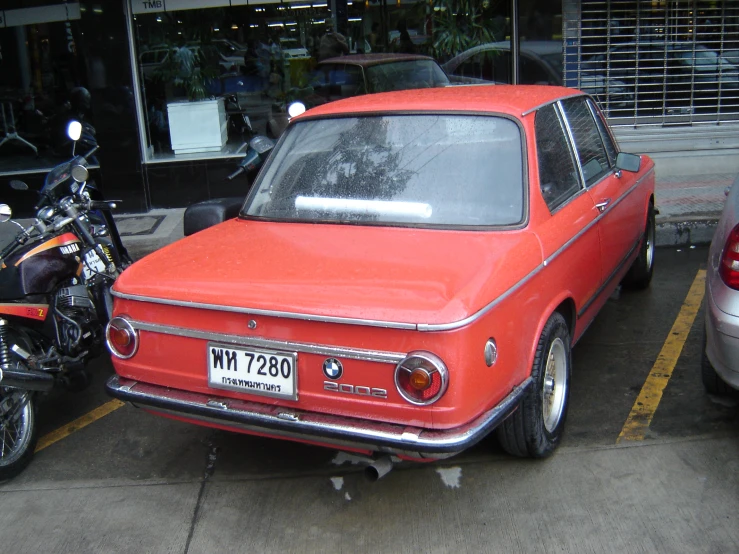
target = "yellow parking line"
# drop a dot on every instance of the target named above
(77, 424)
(637, 423)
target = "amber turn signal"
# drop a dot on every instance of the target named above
(419, 379)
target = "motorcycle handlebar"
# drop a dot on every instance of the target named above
(103, 205)
(237, 172)
(91, 152)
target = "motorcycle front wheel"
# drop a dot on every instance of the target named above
(18, 432)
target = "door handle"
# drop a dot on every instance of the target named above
(603, 205)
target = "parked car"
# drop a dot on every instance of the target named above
(540, 64)
(153, 58)
(346, 76)
(409, 272)
(720, 359)
(291, 48)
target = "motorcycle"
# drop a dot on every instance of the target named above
(205, 214)
(55, 279)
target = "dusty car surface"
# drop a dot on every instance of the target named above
(720, 361)
(408, 273)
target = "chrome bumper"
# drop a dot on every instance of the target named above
(289, 423)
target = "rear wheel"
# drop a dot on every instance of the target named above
(640, 273)
(711, 380)
(535, 428)
(18, 431)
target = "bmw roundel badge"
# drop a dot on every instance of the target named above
(332, 368)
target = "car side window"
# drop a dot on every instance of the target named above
(588, 142)
(558, 176)
(608, 143)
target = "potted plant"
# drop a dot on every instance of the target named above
(197, 123)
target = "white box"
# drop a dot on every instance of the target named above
(197, 126)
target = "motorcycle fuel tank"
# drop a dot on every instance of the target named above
(39, 267)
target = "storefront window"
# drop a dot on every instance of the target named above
(210, 77)
(43, 83)
(213, 72)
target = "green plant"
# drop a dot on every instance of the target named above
(187, 68)
(459, 25)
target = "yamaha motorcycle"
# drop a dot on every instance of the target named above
(55, 279)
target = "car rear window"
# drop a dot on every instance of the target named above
(431, 170)
(404, 75)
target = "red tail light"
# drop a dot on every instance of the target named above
(729, 268)
(122, 339)
(421, 378)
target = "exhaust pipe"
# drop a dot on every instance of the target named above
(27, 380)
(377, 469)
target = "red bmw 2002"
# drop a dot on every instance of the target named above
(408, 273)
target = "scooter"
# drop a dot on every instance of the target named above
(205, 214)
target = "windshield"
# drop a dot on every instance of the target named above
(405, 75)
(395, 169)
(58, 175)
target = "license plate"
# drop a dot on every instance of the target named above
(93, 265)
(252, 371)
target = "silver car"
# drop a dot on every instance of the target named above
(720, 360)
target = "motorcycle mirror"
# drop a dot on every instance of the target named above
(74, 130)
(261, 144)
(15, 184)
(295, 109)
(5, 213)
(80, 173)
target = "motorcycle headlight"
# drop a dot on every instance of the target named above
(46, 213)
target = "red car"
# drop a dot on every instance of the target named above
(409, 272)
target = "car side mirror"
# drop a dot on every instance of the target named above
(628, 162)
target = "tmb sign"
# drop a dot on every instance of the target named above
(147, 6)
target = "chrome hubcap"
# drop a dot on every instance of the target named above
(650, 245)
(555, 383)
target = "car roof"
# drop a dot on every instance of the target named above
(508, 99)
(366, 60)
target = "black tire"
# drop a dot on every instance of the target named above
(18, 431)
(711, 380)
(640, 273)
(534, 430)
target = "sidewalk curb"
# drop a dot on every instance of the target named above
(681, 231)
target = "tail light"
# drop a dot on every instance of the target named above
(122, 339)
(421, 378)
(729, 268)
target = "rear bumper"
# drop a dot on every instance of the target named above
(288, 423)
(722, 336)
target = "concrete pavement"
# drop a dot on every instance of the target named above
(668, 496)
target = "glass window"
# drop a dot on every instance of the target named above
(44, 83)
(588, 141)
(404, 169)
(608, 142)
(404, 75)
(558, 176)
